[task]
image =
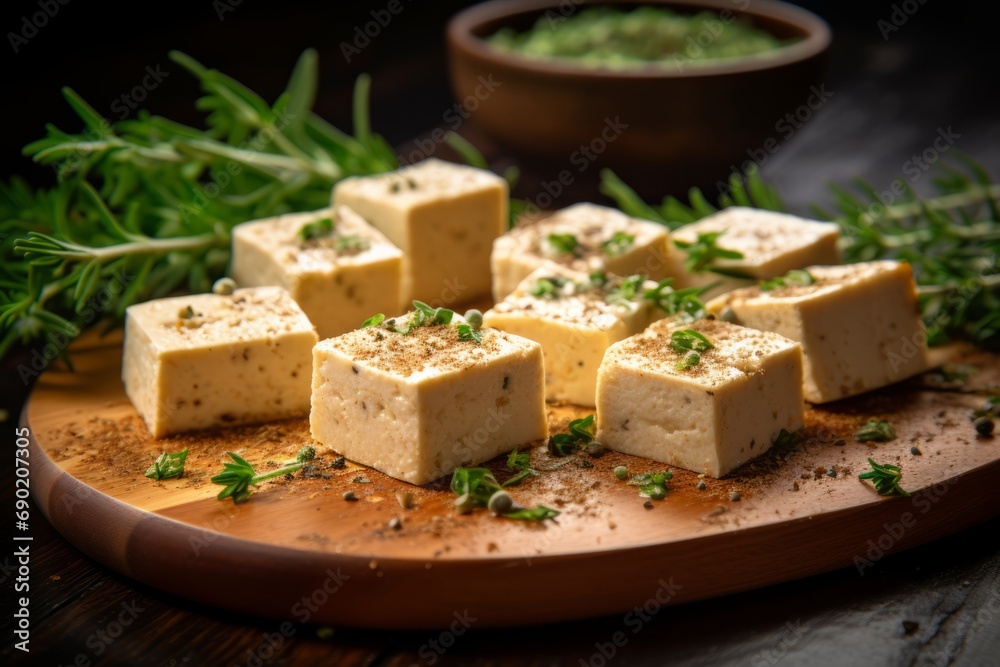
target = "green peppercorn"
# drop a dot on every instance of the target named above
(224, 286)
(474, 318)
(500, 503)
(621, 472)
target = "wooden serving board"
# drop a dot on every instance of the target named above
(297, 550)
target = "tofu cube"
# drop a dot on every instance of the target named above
(443, 217)
(586, 238)
(575, 320)
(859, 325)
(771, 244)
(709, 418)
(418, 405)
(207, 360)
(339, 272)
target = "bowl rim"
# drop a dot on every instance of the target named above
(818, 36)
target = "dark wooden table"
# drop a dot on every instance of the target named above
(938, 604)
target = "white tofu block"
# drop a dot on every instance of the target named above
(574, 325)
(443, 216)
(771, 243)
(644, 246)
(859, 325)
(207, 360)
(338, 278)
(710, 418)
(416, 406)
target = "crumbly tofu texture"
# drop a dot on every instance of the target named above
(526, 247)
(859, 325)
(443, 217)
(772, 244)
(711, 418)
(239, 359)
(574, 328)
(417, 406)
(337, 289)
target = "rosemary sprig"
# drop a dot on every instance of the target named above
(144, 207)
(951, 239)
(168, 465)
(886, 479)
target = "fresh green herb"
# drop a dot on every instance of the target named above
(564, 244)
(373, 321)
(581, 432)
(350, 244)
(317, 229)
(688, 339)
(466, 332)
(238, 476)
(522, 463)
(618, 244)
(623, 293)
(537, 513)
(787, 440)
(596, 279)
(991, 408)
(305, 453)
(547, 288)
(144, 207)
(951, 239)
(794, 278)
(875, 431)
(678, 301)
(476, 486)
(422, 315)
(652, 484)
(168, 465)
(702, 253)
(885, 478)
(689, 360)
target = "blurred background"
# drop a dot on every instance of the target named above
(893, 87)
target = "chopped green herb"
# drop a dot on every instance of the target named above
(476, 486)
(622, 293)
(373, 321)
(652, 485)
(875, 431)
(787, 440)
(581, 432)
(466, 332)
(564, 244)
(305, 453)
(168, 465)
(598, 279)
(547, 287)
(678, 301)
(618, 244)
(689, 360)
(239, 476)
(350, 244)
(885, 478)
(702, 253)
(317, 229)
(794, 278)
(522, 463)
(688, 339)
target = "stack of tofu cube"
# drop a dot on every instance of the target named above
(575, 319)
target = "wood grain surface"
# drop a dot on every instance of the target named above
(792, 519)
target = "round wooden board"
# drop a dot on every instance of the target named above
(324, 560)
